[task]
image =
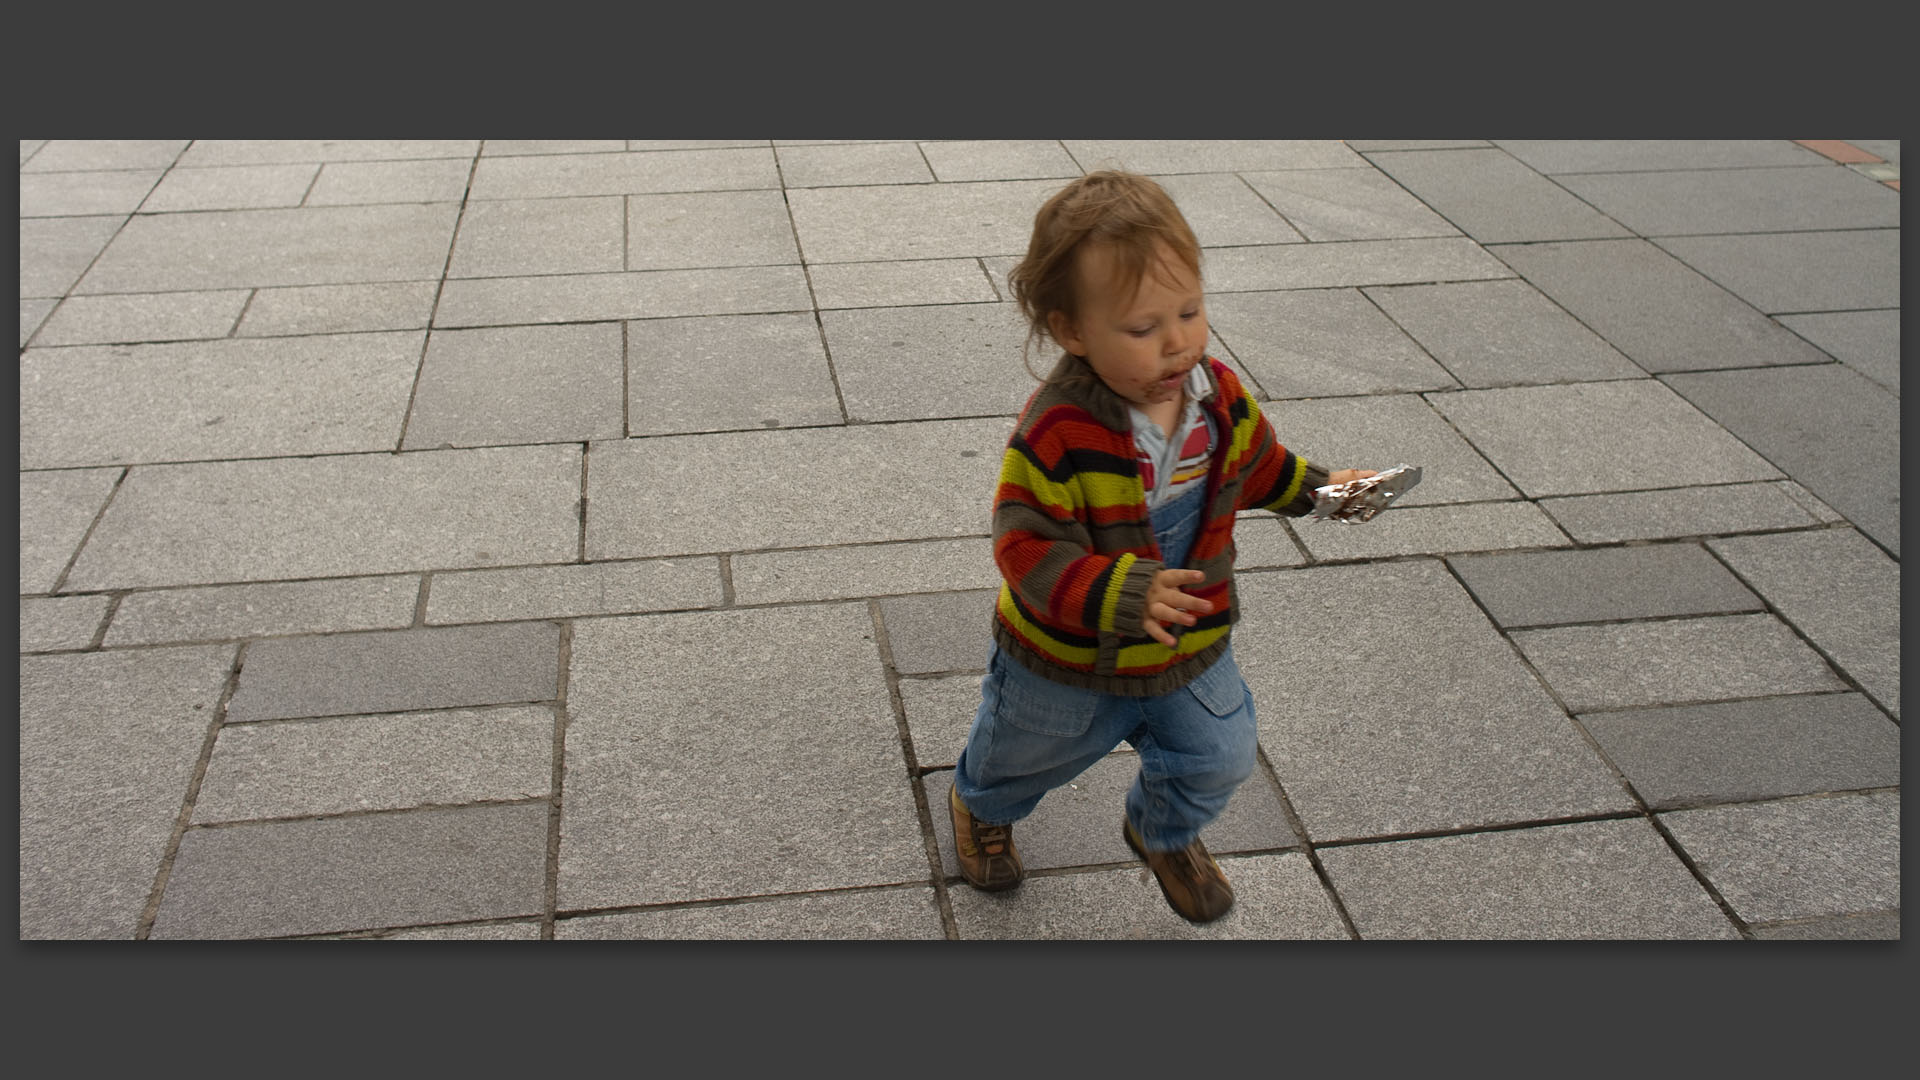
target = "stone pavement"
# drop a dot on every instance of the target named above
(587, 540)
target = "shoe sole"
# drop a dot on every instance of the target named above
(1126, 833)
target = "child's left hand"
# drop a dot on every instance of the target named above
(1348, 476)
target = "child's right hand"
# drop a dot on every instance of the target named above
(1168, 603)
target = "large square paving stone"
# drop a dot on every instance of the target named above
(1322, 342)
(1409, 712)
(925, 363)
(79, 193)
(708, 228)
(1431, 530)
(1222, 210)
(939, 631)
(523, 237)
(344, 516)
(1501, 333)
(144, 317)
(725, 754)
(1162, 156)
(1584, 438)
(1691, 511)
(329, 605)
(519, 384)
(1492, 197)
(905, 914)
(1866, 341)
(653, 294)
(1540, 589)
(549, 176)
(1803, 271)
(1594, 879)
(1381, 432)
(1347, 204)
(1800, 857)
(1766, 200)
(232, 187)
(1673, 662)
(108, 746)
(56, 510)
(54, 252)
(728, 373)
(998, 159)
(1352, 262)
(917, 221)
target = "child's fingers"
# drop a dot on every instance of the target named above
(1159, 634)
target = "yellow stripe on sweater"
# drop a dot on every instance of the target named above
(1110, 603)
(1152, 654)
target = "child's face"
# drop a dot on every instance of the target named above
(1141, 346)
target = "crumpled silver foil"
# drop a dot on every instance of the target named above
(1358, 500)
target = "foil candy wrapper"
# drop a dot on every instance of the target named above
(1358, 500)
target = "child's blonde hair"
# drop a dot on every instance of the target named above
(1129, 214)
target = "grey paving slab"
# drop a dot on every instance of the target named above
(98, 405)
(54, 252)
(510, 147)
(842, 573)
(730, 765)
(998, 159)
(693, 144)
(1781, 273)
(1431, 530)
(1678, 512)
(1353, 262)
(274, 520)
(359, 872)
(939, 713)
(728, 372)
(1586, 438)
(1798, 858)
(28, 147)
(1381, 432)
(347, 183)
(564, 592)
(354, 763)
(395, 670)
(108, 744)
(1222, 210)
(1839, 590)
(272, 151)
(1501, 333)
(1674, 662)
(900, 284)
(338, 309)
(1882, 927)
(52, 624)
(1156, 157)
(1586, 880)
(592, 297)
(1347, 204)
(911, 914)
(70, 155)
(1492, 197)
(500, 931)
(1464, 737)
(1322, 342)
(858, 164)
(1642, 582)
(917, 221)
(1261, 540)
(557, 175)
(226, 612)
(32, 314)
(513, 384)
(78, 193)
(1768, 200)
(939, 631)
(234, 187)
(230, 249)
(520, 237)
(56, 510)
(713, 228)
(924, 363)
(745, 491)
(144, 317)
(1866, 341)
(1742, 751)
(1833, 430)
(1277, 897)
(1654, 308)
(1368, 145)
(1553, 156)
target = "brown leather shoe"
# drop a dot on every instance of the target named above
(987, 857)
(1189, 878)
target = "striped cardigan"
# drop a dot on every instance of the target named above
(1074, 542)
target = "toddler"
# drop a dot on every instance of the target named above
(1113, 529)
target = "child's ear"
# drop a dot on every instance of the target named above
(1063, 332)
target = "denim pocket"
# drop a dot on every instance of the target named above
(1039, 705)
(1220, 688)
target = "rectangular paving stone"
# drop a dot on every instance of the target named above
(1462, 736)
(1540, 589)
(1222, 210)
(565, 592)
(708, 228)
(1431, 530)
(1347, 204)
(1742, 751)
(521, 237)
(863, 163)
(593, 297)
(1654, 308)
(1384, 431)
(338, 309)
(1501, 333)
(1674, 662)
(1866, 341)
(900, 284)
(236, 187)
(1260, 539)
(73, 194)
(917, 221)
(1155, 157)
(1678, 512)
(728, 372)
(55, 623)
(1322, 342)
(840, 573)
(1798, 858)
(269, 151)
(353, 763)
(1839, 590)
(707, 772)
(395, 670)
(516, 384)
(1277, 897)
(32, 314)
(56, 510)
(1351, 262)
(28, 147)
(1761, 200)
(998, 159)
(346, 183)
(1879, 927)
(911, 914)
(71, 155)
(559, 175)
(809, 487)
(1584, 438)
(54, 252)
(108, 745)
(286, 878)
(224, 612)
(693, 144)
(275, 520)
(143, 317)
(229, 249)
(1831, 429)
(926, 363)
(1494, 198)
(98, 405)
(510, 147)
(1781, 273)
(939, 631)
(1553, 156)
(1586, 880)
(1369, 145)
(500, 931)
(940, 712)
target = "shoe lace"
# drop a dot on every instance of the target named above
(992, 839)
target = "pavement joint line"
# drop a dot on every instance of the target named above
(1485, 828)
(150, 911)
(923, 810)
(86, 536)
(556, 786)
(379, 811)
(1265, 767)
(570, 914)
(1680, 852)
(374, 714)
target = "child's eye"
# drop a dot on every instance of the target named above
(1190, 314)
(1142, 332)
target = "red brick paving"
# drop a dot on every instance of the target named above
(1843, 152)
